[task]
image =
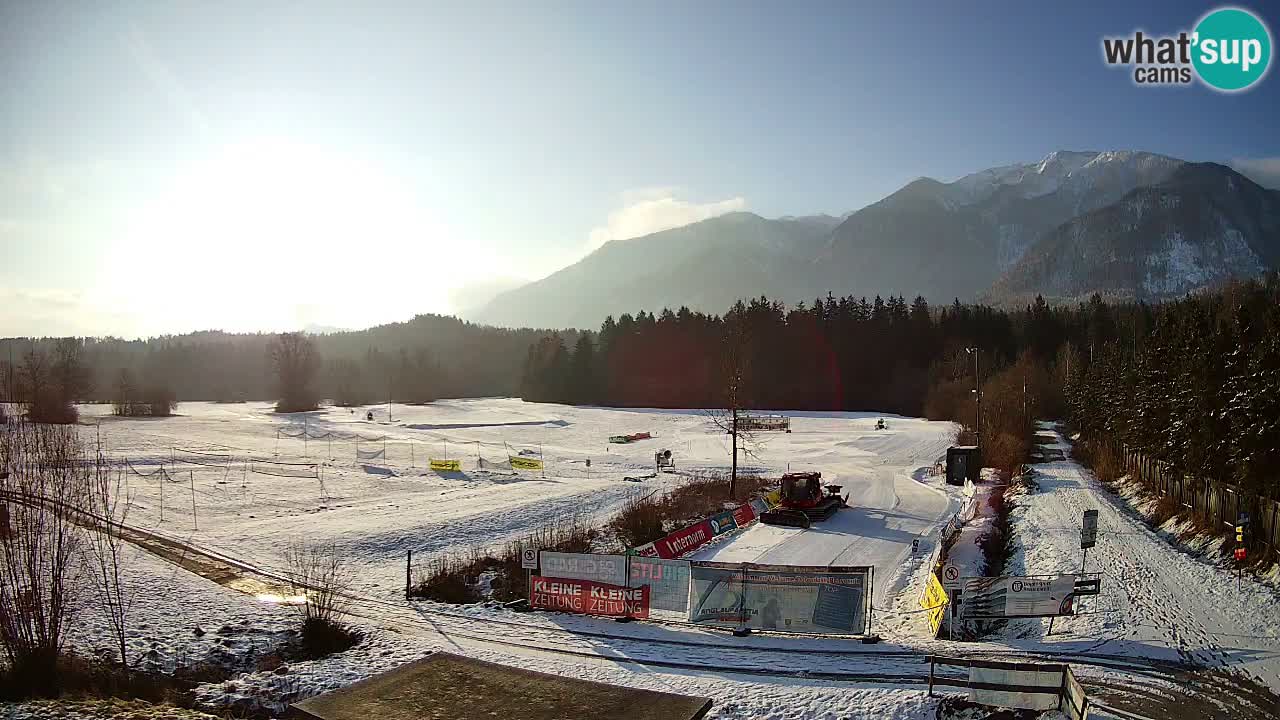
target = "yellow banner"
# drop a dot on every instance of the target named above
(935, 601)
(773, 498)
(446, 465)
(524, 463)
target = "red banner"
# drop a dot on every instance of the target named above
(684, 541)
(744, 514)
(647, 550)
(589, 598)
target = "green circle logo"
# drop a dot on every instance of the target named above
(1231, 49)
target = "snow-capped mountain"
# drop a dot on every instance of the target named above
(949, 240)
(999, 233)
(1204, 225)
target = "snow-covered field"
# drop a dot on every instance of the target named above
(247, 505)
(1158, 604)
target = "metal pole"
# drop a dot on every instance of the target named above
(304, 436)
(408, 573)
(162, 474)
(542, 462)
(977, 380)
(411, 459)
(195, 522)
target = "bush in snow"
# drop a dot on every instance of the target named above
(321, 573)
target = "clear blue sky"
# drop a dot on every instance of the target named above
(406, 158)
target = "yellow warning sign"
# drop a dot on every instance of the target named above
(446, 465)
(935, 601)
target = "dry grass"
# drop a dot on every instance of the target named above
(452, 577)
(645, 518)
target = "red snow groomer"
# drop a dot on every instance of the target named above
(803, 501)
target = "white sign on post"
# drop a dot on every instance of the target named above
(1089, 530)
(529, 558)
(950, 576)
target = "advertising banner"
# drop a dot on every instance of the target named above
(446, 465)
(1008, 597)
(611, 569)
(722, 522)
(588, 598)
(667, 580)
(645, 550)
(759, 505)
(935, 601)
(743, 514)
(780, 597)
(524, 463)
(683, 541)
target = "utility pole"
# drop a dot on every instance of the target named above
(977, 396)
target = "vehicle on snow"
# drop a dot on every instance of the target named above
(802, 501)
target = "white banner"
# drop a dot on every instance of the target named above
(1051, 681)
(780, 597)
(1007, 597)
(667, 580)
(608, 569)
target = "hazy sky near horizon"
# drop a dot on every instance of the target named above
(175, 166)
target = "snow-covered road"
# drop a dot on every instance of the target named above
(1157, 601)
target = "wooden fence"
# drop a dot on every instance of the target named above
(1218, 503)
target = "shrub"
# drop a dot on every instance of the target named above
(160, 400)
(39, 548)
(450, 577)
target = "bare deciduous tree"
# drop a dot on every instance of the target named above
(734, 376)
(125, 391)
(108, 502)
(39, 546)
(295, 360)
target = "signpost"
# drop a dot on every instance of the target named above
(950, 576)
(529, 562)
(1241, 552)
(915, 546)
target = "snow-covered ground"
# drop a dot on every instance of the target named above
(379, 507)
(247, 506)
(888, 508)
(1156, 603)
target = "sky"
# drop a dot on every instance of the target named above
(264, 166)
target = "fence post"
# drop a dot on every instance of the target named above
(408, 573)
(930, 676)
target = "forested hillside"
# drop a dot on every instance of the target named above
(1195, 382)
(428, 357)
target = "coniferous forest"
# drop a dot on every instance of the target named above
(1194, 382)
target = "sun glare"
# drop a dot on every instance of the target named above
(333, 238)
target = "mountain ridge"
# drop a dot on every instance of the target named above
(963, 239)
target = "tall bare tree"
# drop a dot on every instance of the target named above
(295, 360)
(108, 503)
(734, 372)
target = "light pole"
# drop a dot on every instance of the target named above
(977, 397)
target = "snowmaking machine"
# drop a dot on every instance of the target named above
(804, 499)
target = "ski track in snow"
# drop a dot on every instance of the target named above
(1156, 601)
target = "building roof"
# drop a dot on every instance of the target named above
(444, 686)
